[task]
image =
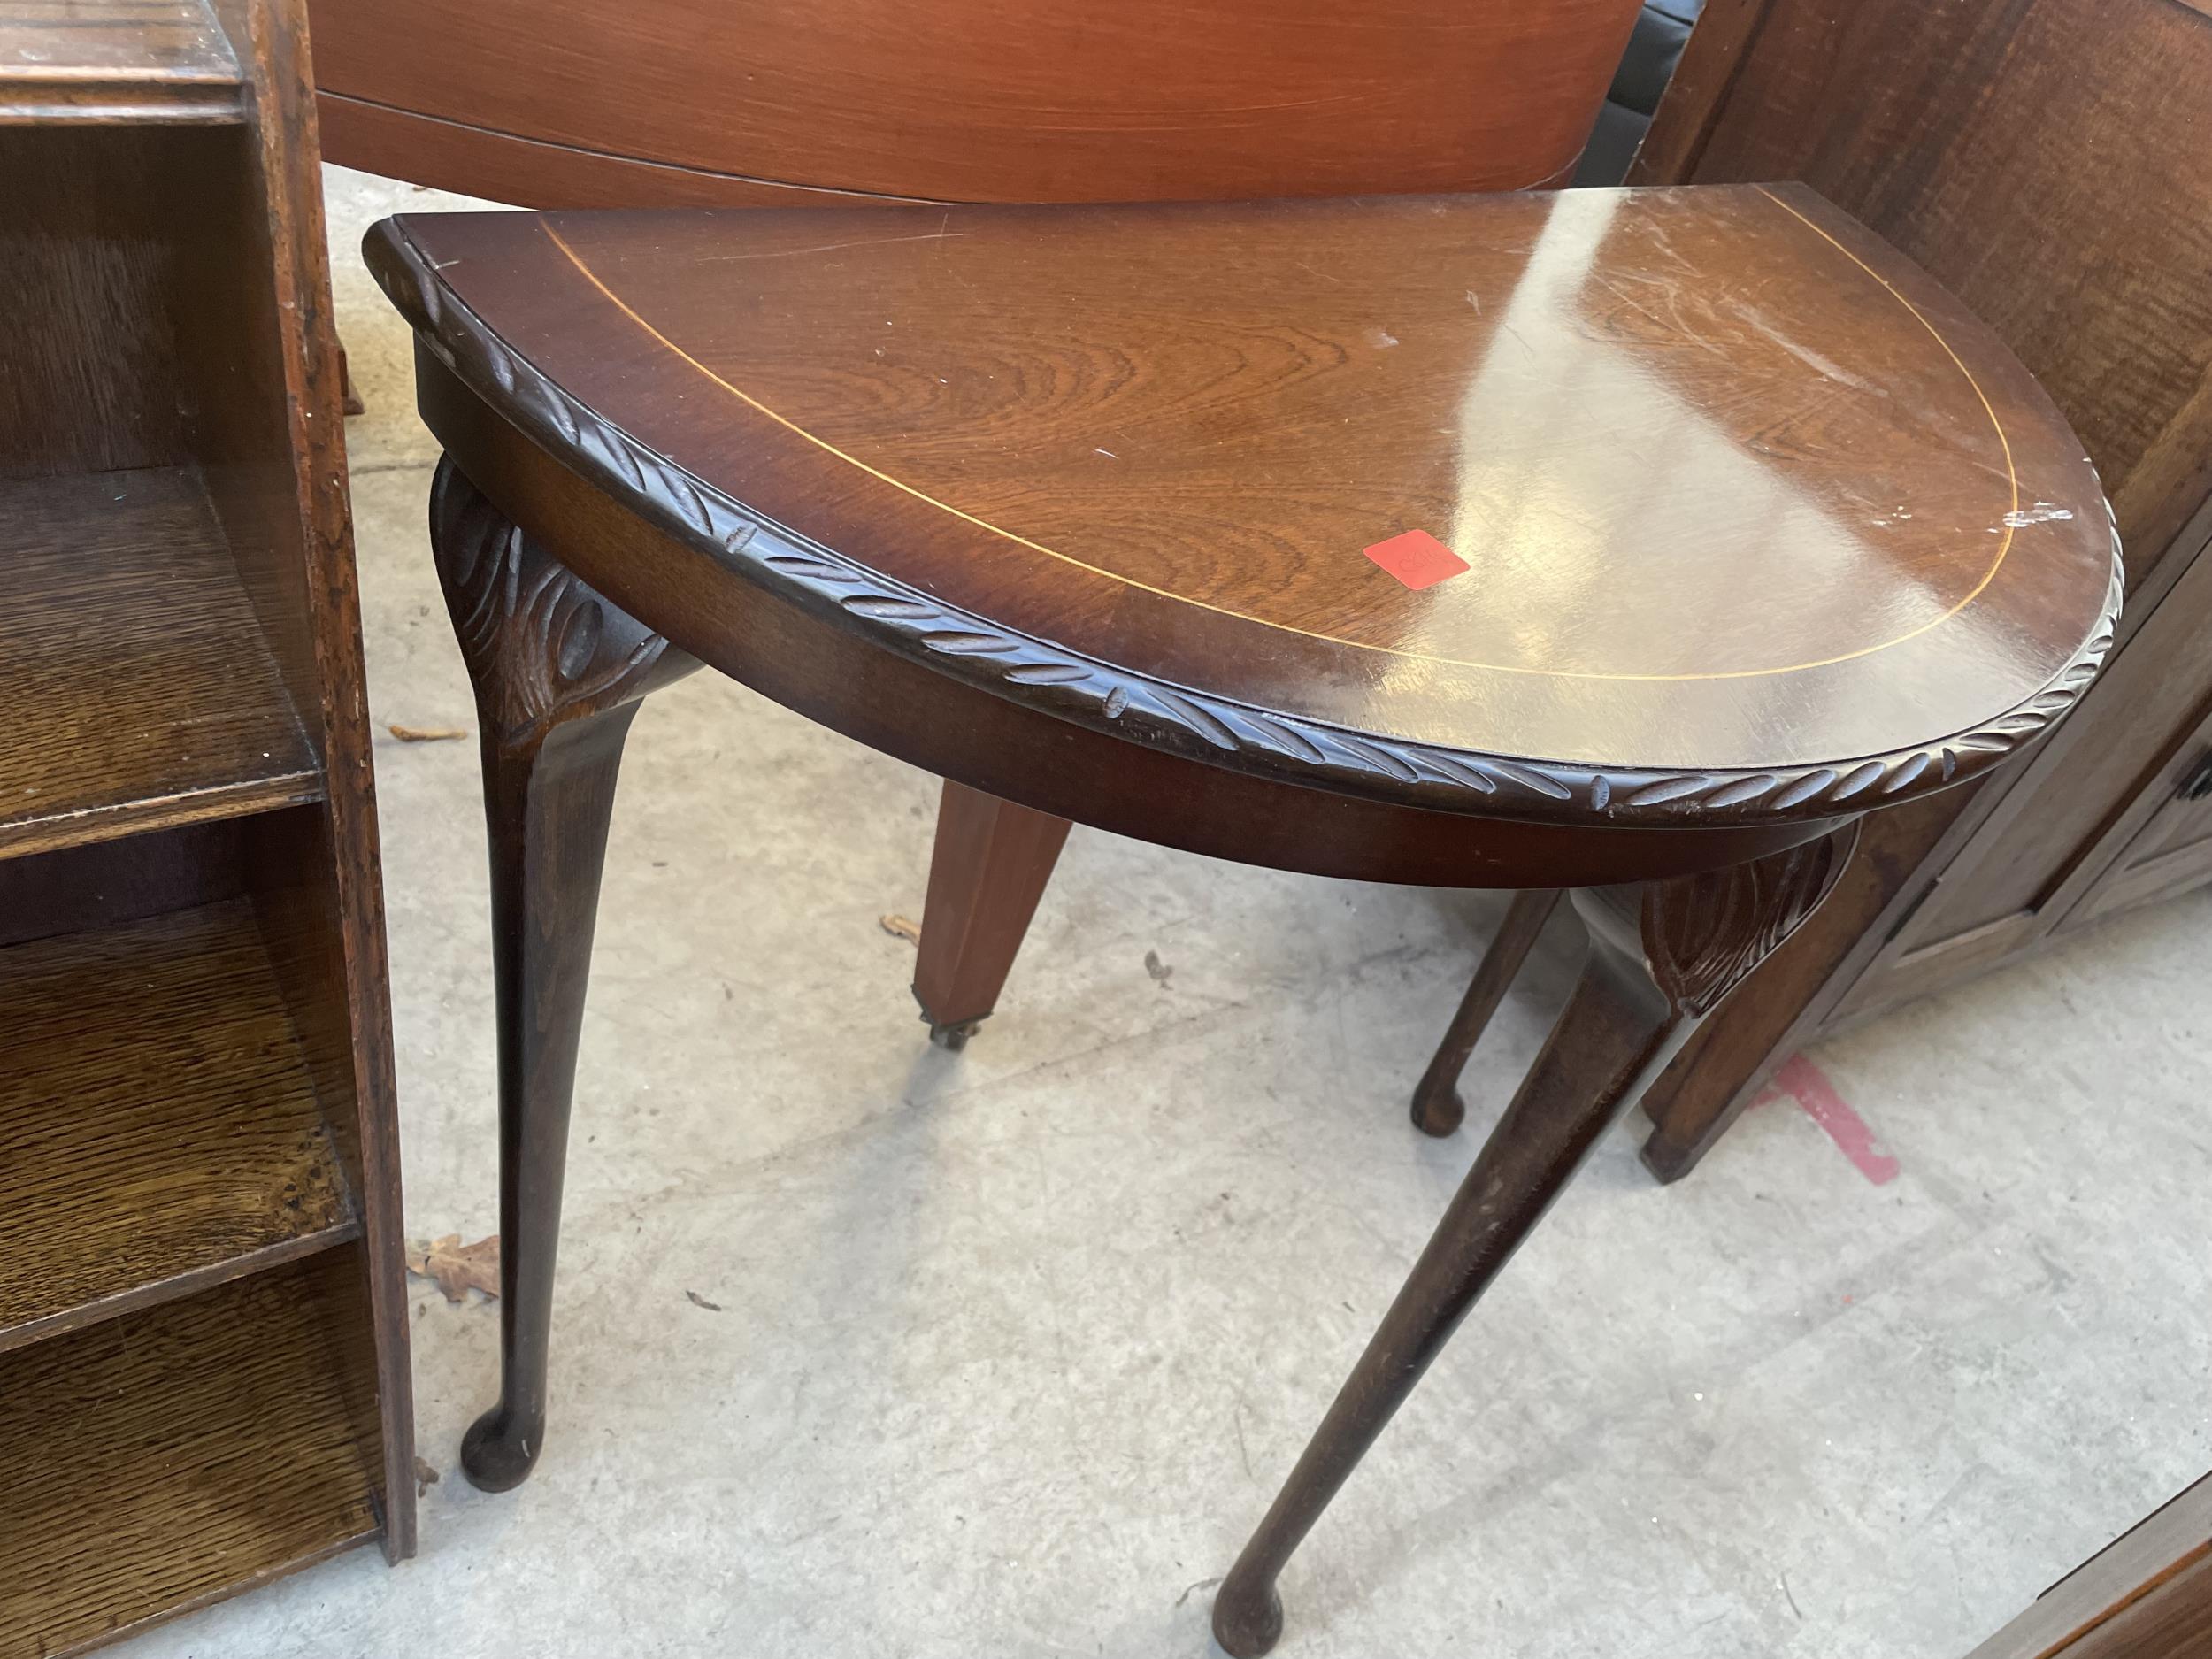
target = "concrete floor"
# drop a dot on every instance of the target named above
(1010, 1348)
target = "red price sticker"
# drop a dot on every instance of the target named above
(1416, 558)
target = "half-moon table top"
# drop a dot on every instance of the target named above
(1640, 502)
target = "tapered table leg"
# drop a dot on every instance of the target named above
(1438, 1109)
(558, 672)
(1660, 958)
(986, 872)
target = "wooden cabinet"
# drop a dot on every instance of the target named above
(2049, 162)
(2098, 822)
(2173, 849)
(203, 1376)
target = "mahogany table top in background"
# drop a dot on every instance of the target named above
(685, 103)
(1758, 523)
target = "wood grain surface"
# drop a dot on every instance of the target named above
(88, 262)
(138, 686)
(980, 100)
(156, 1461)
(158, 1124)
(1760, 521)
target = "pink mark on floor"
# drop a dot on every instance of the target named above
(1808, 1086)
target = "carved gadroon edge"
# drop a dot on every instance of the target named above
(540, 643)
(1703, 933)
(1103, 697)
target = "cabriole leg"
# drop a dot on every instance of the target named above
(1660, 958)
(558, 673)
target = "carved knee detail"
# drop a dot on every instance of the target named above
(1699, 937)
(1702, 935)
(541, 644)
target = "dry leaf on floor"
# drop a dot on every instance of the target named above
(426, 1477)
(456, 1268)
(899, 928)
(427, 733)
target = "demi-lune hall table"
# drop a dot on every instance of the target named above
(1636, 543)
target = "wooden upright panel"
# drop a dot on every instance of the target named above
(575, 102)
(85, 331)
(268, 425)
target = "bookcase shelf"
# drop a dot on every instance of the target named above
(204, 1358)
(140, 689)
(159, 1126)
(220, 1438)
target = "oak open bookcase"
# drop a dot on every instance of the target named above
(202, 1339)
